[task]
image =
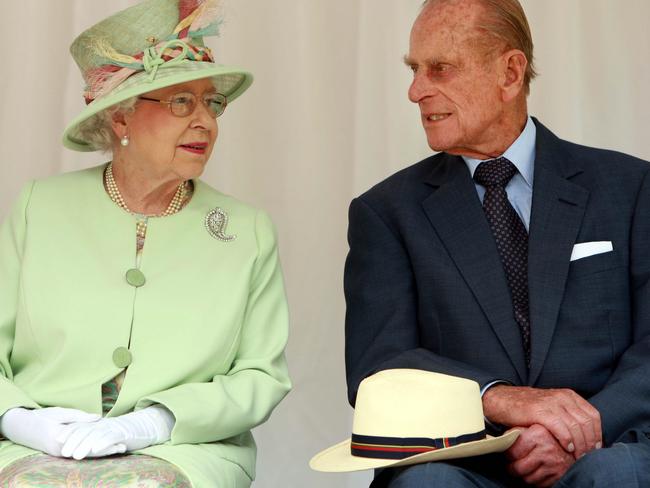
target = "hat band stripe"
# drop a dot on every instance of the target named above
(402, 447)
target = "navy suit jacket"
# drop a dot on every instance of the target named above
(425, 287)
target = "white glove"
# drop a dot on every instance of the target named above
(42, 429)
(135, 430)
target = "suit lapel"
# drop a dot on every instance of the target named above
(455, 212)
(557, 210)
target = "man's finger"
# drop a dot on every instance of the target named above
(524, 444)
(595, 428)
(585, 424)
(577, 433)
(538, 476)
(557, 425)
(526, 466)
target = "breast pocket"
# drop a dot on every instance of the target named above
(594, 264)
(596, 283)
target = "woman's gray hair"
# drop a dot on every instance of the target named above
(98, 131)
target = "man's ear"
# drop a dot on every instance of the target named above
(514, 65)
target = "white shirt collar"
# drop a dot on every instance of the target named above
(521, 153)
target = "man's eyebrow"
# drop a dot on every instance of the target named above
(409, 61)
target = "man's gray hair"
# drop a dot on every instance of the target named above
(506, 21)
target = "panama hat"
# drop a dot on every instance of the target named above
(152, 45)
(409, 416)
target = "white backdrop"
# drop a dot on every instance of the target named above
(326, 118)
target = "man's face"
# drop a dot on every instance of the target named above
(455, 79)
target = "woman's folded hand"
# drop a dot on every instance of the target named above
(43, 429)
(129, 432)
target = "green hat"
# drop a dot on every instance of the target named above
(152, 45)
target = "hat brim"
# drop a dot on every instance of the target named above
(338, 458)
(229, 80)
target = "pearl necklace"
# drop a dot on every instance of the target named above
(114, 192)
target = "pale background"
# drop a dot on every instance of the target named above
(326, 118)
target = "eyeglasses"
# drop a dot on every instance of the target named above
(184, 104)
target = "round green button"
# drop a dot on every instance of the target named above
(135, 277)
(122, 357)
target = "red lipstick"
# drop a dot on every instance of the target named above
(195, 147)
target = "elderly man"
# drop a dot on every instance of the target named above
(513, 258)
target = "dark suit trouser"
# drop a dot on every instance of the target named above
(620, 466)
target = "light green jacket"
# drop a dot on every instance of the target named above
(207, 330)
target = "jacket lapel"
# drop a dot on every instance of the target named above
(455, 212)
(557, 210)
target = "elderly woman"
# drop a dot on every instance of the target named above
(141, 311)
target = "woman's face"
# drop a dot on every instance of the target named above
(163, 145)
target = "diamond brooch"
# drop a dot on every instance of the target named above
(216, 222)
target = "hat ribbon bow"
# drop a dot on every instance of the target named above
(152, 58)
(118, 67)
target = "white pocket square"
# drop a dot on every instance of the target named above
(586, 249)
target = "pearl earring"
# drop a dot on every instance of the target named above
(125, 141)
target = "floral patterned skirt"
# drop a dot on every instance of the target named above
(43, 471)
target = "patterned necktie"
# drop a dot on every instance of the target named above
(510, 236)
